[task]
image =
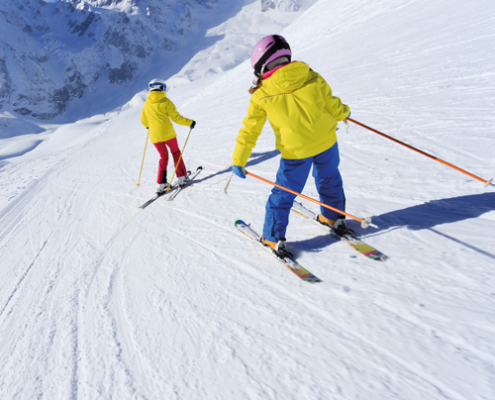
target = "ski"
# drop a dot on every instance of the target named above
(289, 262)
(174, 189)
(179, 188)
(156, 197)
(363, 248)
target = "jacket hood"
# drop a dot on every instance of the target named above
(289, 77)
(156, 96)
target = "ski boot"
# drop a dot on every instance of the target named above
(183, 180)
(278, 248)
(161, 187)
(337, 225)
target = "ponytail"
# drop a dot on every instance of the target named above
(257, 83)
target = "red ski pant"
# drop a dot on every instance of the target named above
(162, 166)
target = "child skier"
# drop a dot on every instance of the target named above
(303, 114)
(156, 115)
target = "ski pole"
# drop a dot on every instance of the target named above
(178, 161)
(142, 162)
(489, 182)
(228, 183)
(364, 222)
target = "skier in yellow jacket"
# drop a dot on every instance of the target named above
(303, 114)
(156, 115)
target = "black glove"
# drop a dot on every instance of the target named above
(193, 124)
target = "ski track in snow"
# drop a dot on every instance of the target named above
(101, 300)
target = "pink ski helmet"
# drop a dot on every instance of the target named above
(268, 49)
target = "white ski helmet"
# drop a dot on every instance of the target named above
(157, 84)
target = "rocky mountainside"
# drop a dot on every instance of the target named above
(52, 53)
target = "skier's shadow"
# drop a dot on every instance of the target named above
(438, 212)
(423, 216)
(256, 158)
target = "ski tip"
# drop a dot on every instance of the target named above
(375, 255)
(311, 279)
(240, 222)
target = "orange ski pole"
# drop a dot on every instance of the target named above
(364, 222)
(424, 153)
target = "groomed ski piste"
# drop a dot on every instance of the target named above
(102, 300)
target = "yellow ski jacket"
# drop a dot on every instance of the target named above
(302, 112)
(155, 115)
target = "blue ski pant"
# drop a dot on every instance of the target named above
(293, 175)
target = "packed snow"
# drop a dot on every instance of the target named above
(102, 300)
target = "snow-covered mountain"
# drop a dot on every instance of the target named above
(53, 53)
(100, 300)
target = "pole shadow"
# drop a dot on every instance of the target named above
(438, 212)
(256, 158)
(421, 217)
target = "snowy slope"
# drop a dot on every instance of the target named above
(69, 59)
(100, 300)
(237, 26)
